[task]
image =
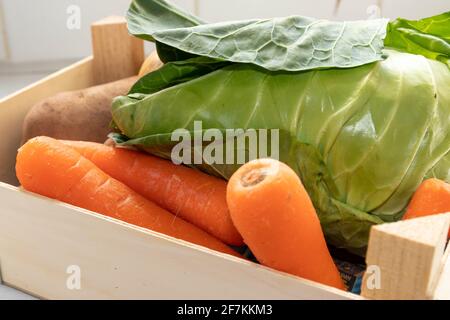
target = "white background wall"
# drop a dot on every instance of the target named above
(36, 29)
(2, 49)
(216, 10)
(2, 40)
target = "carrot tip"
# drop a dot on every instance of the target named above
(253, 176)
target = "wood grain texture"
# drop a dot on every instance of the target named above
(117, 54)
(408, 254)
(14, 108)
(442, 290)
(40, 238)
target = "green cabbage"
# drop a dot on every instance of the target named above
(362, 139)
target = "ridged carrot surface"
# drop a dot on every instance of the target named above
(194, 196)
(274, 214)
(432, 197)
(50, 168)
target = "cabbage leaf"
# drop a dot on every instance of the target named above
(292, 43)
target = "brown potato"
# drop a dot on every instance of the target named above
(77, 115)
(150, 64)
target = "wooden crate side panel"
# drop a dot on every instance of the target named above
(14, 108)
(118, 261)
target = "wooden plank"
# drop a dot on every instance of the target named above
(14, 108)
(442, 290)
(41, 238)
(407, 256)
(117, 54)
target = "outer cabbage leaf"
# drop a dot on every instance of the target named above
(290, 44)
(159, 15)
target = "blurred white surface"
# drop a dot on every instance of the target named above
(2, 45)
(7, 293)
(10, 83)
(219, 10)
(16, 76)
(38, 30)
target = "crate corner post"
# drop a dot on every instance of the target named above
(442, 285)
(117, 54)
(409, 257)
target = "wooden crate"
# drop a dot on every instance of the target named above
(42, 241)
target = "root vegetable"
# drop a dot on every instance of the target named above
(193, 195)
(274, 214)
(48, 167)
(75, 115)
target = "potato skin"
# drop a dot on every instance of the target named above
(150, 64)
(77, 115)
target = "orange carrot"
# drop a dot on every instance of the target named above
(48, 167)
(275, 216)
(432, 197)
(194, 196)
